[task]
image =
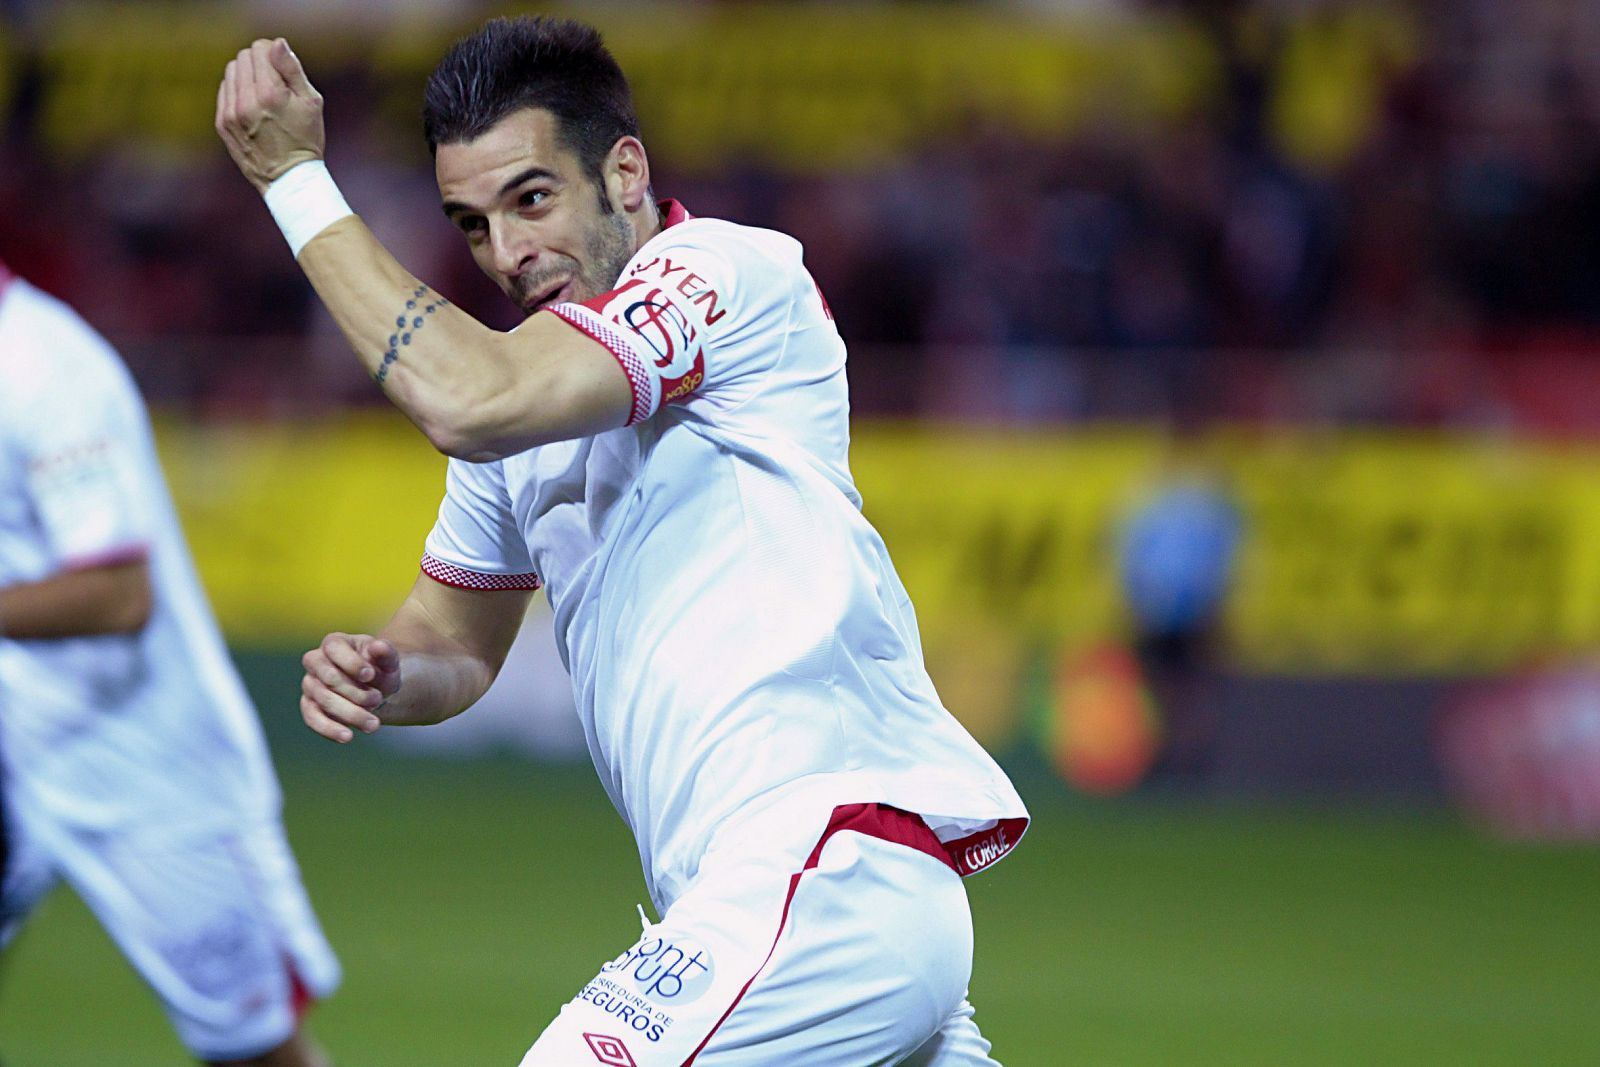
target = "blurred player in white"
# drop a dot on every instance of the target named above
(662, 445)
(132, 765)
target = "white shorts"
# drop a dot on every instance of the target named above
(215, 921)
(854, 956)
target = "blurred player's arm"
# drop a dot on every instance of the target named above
(111, 598)
(476, 393)
(434, 659)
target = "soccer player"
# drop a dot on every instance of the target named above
(662, 445)
(132, 766)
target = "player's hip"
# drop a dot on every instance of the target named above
(854, 954)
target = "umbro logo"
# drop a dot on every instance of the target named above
(609, 1050)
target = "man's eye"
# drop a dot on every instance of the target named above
(471, 225)
(532, 198)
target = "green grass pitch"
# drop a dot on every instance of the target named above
(469, 900)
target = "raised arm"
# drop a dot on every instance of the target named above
(434, 659)
(475, 392)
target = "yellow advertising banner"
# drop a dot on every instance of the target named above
(302, 528)
(808, 88)
(1360, 553)
(1387, 554)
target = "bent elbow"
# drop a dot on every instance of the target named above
(444, 438)
(495, 415)
(460, 440)
(485, 429)
(456, 424)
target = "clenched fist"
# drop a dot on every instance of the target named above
(347, 679)
(268, 113)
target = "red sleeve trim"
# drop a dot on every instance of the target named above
(461, 578)
(109, 557)
(587, 322)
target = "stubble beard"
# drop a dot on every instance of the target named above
(610, 246)
(607, 249)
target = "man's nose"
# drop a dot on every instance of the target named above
(513, 249)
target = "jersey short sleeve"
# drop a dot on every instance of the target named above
(76, 425)
(696, 312)
(475, 543)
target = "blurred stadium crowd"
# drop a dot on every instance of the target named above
(1363, 214)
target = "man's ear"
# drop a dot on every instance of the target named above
(628, 174)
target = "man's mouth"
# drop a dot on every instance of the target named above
(543, 298)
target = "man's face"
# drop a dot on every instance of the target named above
(536, 222)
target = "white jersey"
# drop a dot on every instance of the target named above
(736, 634)
(151, 729)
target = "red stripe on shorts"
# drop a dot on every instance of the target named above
(874, 820)
(300, 998)
(971, 854)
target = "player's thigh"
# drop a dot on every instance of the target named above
(959, 1043)
(857, 961)
(202, 918)
(877, 956)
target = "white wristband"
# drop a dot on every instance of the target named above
(304, 201)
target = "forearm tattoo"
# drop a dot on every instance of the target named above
(407, 324)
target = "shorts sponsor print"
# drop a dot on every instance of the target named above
(632, 1012)
(670, 968)
(647, 984)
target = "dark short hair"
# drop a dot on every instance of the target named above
(531, 61)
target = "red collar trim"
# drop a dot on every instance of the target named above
(672, 213)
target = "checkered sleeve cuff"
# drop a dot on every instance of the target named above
(646, 387)
(462, 578)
